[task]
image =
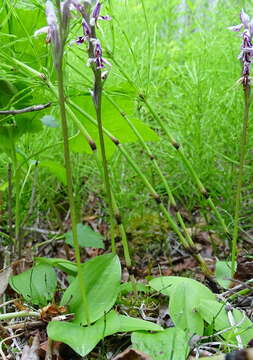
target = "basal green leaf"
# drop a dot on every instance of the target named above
(183, 300)
(102, 277)
(84, 339)
(170, 344)
(86, 237)
(185, 295)
(37, 285)
(165, 285)
(65, 265)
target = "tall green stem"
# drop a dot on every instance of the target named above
(70, 188)
(98, 104)
(243, 143)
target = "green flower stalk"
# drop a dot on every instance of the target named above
(245, 57)
(90, 18)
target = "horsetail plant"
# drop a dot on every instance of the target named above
(177, 146)
(245, 57)
(57, 30)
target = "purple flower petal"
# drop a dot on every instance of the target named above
(80, 40)
(244, 19)
(105, 17)
(86, 29)
(96, 11)
(236, 28)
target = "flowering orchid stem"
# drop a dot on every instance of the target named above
(70, 189)
(247, 102)
(58, 55)
(97, 96)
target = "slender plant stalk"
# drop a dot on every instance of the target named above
(118, 219)
(98, 104)
(17, 243)
(10, 212)
(70, 189)
(247, 101)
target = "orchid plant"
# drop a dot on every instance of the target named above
(245, 56)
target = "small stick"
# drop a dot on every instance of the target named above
(26, 110)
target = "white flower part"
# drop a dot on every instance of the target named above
(244, 18)
(235, 28)
(50, 13)
(43, 30)
(89, 61)
(92, 21)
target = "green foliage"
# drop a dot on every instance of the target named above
(215, 313)
(55, 169)
(86, 237)
(112, 121)
(37, 285)
(223, 273)
(62, 264)
(84, 339)
(131, 286)
(171, 343)
(185, 295)
(101, 277)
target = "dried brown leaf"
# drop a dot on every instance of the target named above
(31, 353)
(131, 354)
(4, 279)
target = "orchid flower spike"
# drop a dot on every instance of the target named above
(246, 54)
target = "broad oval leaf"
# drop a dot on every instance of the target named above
(37, 285)
(185, 295)
(84, 339)
(171, 343)
(101, 277)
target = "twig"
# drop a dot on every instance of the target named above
(41, 231)
(232, 322)
(49, 353)
(236, 288)
(26, 110)
(26, 325)
(240, 354)
(19, 314)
